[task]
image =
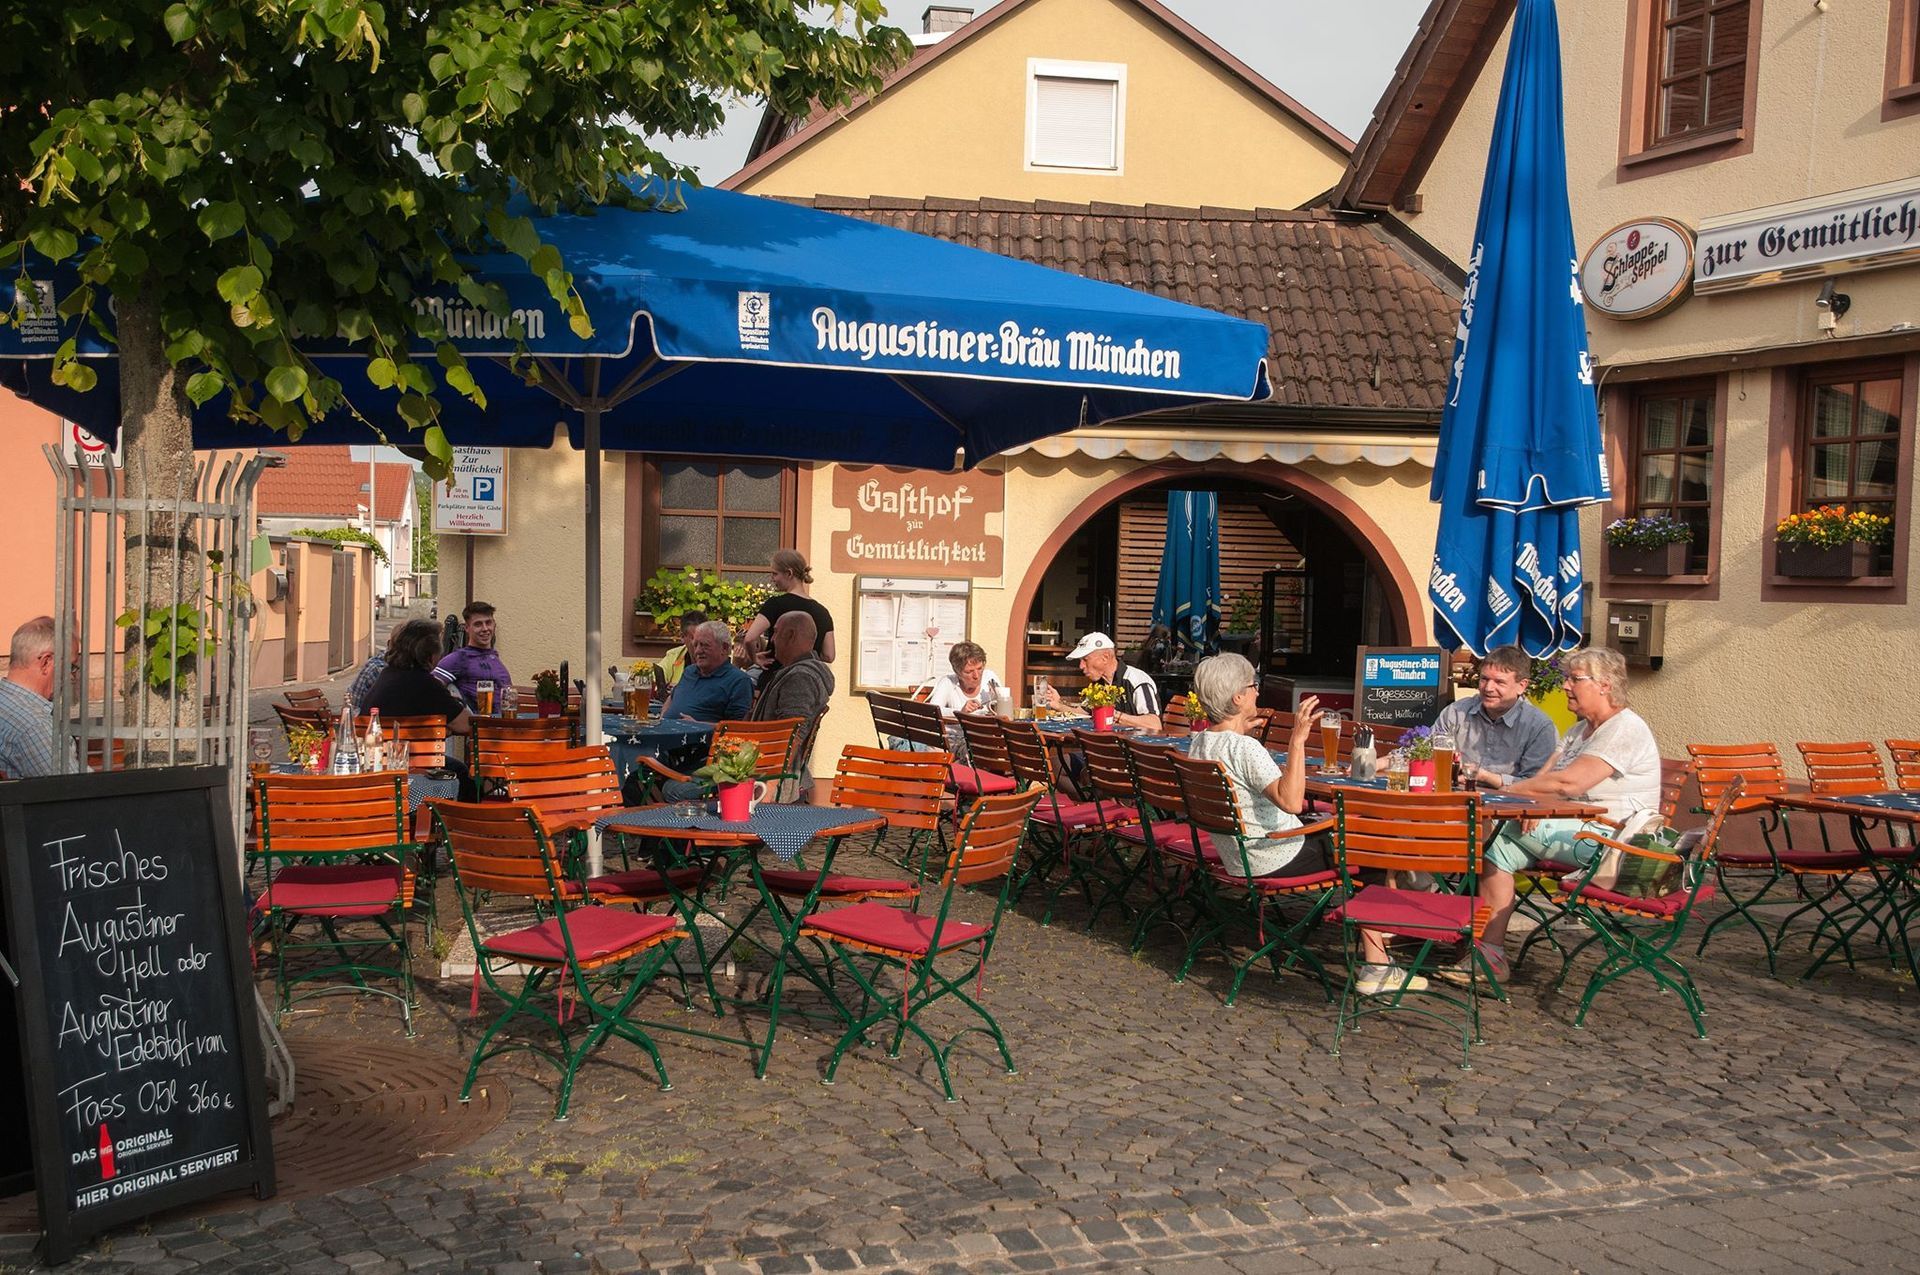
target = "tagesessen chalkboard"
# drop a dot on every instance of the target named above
(1400, 685)
(145, 1079)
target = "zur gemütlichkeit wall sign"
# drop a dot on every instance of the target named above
(1864, 229)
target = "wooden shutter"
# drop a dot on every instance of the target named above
(1249, 545)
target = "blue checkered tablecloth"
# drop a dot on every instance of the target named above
(1905, 802)
(785, 830)
(679, 744)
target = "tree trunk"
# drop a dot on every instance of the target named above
(163, 564)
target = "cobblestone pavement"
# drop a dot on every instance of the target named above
(1151, 1128)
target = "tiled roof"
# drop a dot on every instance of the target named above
(326, 482)
(1357, 323)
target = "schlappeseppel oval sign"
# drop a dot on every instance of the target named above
(1638, 268)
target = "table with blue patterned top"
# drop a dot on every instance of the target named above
(678, 744)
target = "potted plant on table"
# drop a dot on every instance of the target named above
(306, 748)
(730, 770)
(547, 693)
(1196, 715)
(1099, 699)
(1829, 543)
(1417, 744)
(1654, 545)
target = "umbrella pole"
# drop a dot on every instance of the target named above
(590, 697)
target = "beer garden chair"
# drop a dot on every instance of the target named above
(777, 740)
(499, 741)
(1905, 754)
(1170, 844)
(1239, 900)
(1762, 778)
(606, 955)
(936, 954)
(1060, 821)
(333, 848)
(1640, 933)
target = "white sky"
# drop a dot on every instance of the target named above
(1333, 56)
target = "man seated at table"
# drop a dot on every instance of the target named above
(465, 667)
(1139, 706)
(410, 686)
(711, 689)
(674, 663)
(798, 685)
(26, 700)
(1501, 730)
(1608, 758)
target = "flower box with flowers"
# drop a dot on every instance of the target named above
(1654, 545)
(1829, 543)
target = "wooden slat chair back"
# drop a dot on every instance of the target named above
(1175, 718)
(318, 719)
(988, 763)
(936, 955)
(424, 739)
(312, 702)
(1279, 733)
(499, 741)
(1157, 780)
(334, 850)
(499, 850)
(1399, 833)
(1234, 896)
(904, 786)
(1758, 766)
(1675, 774)
(1385, 738)
(899, 717)
(1108, 771)
(1028, 755)
(569, 788)
(1835, 770)
(1906, 763)
(775, 739)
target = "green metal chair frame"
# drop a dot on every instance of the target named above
(870, 938)
(1639, 934)
(1238, 897)
(500, 848)
(334, 849)
(1173, 849)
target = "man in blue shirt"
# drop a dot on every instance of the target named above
(26, 702)
(712, 689)
(1502, 732)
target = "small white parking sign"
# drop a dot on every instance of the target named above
(473, 499)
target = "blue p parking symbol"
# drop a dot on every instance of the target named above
(483, 489)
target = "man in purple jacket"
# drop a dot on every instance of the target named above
(464, 667)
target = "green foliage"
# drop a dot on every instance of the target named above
(671, 592)
(733, 762)
(347, 535)
(1546, 678)
(1244, 615)
(426, 544)
(170, 640)
(546, 687)
(271, 175)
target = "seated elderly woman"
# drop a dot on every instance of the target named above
(971, 687)
(1608, 758)
(1271, 798)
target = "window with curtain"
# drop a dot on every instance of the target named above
(1699, 68)
(1672, 460)
(726, 515)
(1849, 450)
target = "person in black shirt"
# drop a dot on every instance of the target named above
(408, 688)
(791, 576)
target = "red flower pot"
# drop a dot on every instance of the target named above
(1103, 718)
(736, 802)
(548, 709)
(1420, 775)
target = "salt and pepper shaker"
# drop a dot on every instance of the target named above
(1365, 761)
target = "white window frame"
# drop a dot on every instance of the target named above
(1114, 73)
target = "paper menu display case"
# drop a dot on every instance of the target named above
(904, 628)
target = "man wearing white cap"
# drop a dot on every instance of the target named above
(1101, 663)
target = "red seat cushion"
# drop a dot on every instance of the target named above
(1807, 860)
(336, 890)
(1664, 905)
(641, 883)
(797, 881)
(971, 782)
(1413, 912)
(1166, 833)
(1272, 884)
(597, 932)
(894, 929)
(1078, 815)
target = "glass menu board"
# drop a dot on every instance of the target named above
(903, 629)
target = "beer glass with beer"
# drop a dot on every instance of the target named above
(1040, 688)
(483, 697)
(1330, 743)
(1443, 750)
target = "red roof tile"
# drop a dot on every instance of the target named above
(326, 482)
(1357, 322)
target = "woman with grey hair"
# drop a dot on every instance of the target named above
(971, 687)
(1608, 757)
(1271, 798)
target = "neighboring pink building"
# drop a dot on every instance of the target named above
(324, 487)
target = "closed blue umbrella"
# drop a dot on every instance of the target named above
(1520, 446)
(1187, 600)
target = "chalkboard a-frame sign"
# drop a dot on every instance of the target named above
(145, 1079)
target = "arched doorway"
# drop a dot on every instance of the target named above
(1098, 568)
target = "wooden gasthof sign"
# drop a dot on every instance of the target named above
(919, 522)
(135, 1010)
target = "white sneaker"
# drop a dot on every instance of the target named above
(1376, 980)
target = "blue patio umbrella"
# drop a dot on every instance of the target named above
(1520, 443)
(741, 326)
(1187, 600)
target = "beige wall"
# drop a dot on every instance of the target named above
(959, 128)
(1737, 668)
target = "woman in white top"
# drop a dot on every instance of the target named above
(972, 687)
(1270, 797)
(1608, 757)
